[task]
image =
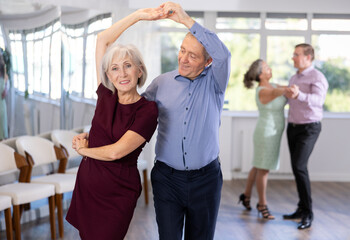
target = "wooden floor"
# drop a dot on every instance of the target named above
(331, 203)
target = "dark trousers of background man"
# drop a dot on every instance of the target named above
(192, 197)
(301, 141)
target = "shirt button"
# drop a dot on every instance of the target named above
(186, 108)
(185, 123)
(189, 94)
(185, 153)
(184, 138)
(186, 167)
(194, 32)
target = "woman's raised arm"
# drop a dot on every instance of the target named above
(111, 34)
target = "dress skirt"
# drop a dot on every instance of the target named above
(104, 199)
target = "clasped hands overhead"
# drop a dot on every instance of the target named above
(168, 10)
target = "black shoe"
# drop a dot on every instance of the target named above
(305, 222)
(264, 211)
(245, 201)
(296, 215)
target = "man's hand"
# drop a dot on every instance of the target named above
(175, 12)
(292, 91)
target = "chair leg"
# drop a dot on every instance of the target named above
(16, 221)
(9, 228)
(58, 199)
(145, 185)
(52, 217)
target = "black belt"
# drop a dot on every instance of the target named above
(304, 124)
(164, 166)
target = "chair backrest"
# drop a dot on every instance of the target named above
(46, 135)
(10, 142)
(7, 159)
(41, 150)
(64, 138)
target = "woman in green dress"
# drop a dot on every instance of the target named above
(270, 100)
(3, 110)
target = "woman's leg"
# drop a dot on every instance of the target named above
(250, 182)
(261, 185)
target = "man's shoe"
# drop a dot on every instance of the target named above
(296, 215)
(305, 222)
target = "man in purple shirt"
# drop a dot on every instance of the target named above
(306, 99)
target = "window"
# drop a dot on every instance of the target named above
(333, 59)
(79, 42)
(229, 20)
(331, 22)
(330, 38)
(279, 54)
(74, 48)
(41, 58)
(286, 21)
(272, 37)
(17, 61)
(2, 41)
(244, 50)
(240, 33)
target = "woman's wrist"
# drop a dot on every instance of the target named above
(82, 147)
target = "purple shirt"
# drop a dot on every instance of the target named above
(308, 107)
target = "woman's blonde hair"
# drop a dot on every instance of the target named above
(122, 52)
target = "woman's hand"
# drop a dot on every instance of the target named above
(149, 14)
(81, 144)
(176, 13)
(77, 138)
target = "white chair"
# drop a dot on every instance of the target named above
(63, 139)
(40, 151)
(5, 205)
(23, 192)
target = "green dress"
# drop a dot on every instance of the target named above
(3, 112)
(268, 132)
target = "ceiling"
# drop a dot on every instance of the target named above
(13, 7)
(9, 7)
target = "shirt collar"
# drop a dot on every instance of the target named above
(203, 73)
(306, 71)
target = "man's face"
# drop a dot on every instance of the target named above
(300, 60)
(191, 58)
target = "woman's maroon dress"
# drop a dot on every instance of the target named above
(106, 192)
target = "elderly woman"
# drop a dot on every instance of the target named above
(108, 182)
(270, 100)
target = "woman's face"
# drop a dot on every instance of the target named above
(266, 72)
(124, 74)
